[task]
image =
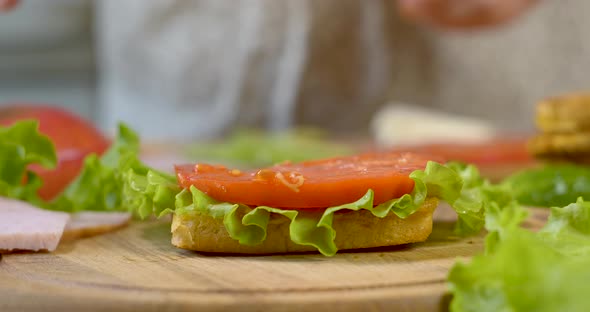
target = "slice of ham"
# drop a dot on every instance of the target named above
(25, 227)
(88, 223)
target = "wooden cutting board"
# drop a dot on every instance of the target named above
(136, 269)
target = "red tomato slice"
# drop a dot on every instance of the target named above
(493, 152)
(66, 130)
(74, 138)
(311, 184)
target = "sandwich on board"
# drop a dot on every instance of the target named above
(363, 201)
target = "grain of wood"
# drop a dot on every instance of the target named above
(138, 269)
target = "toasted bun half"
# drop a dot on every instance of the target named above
(354, 230)
(565, 146)
(565, 113)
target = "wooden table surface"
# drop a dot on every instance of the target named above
(137, 269)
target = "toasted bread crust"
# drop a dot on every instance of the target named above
(354, 230)
(563, 114)
(565, 146)
(564, 122)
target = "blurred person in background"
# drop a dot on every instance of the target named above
(196, 68)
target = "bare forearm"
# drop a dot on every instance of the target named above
(440, 13)
(6, 5)
(463, 13)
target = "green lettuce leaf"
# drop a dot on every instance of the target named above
(476, 197)
(459, 185)
(243, 148)
(151, 193)
(568, 229)
(101, 185)
(551, 185)
(21, 145)
(526, 271)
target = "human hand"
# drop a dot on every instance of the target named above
(462, 14)
(6, 5)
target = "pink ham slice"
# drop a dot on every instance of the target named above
(25, 227)
(85, 224)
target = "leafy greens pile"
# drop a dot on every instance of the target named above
(526, 271)
(242, 148)
(550, 185)
(98, 187)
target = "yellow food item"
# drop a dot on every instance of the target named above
(355, 230)
(564, 114)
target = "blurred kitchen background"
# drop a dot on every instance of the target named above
(355, 57)
(47, 55)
